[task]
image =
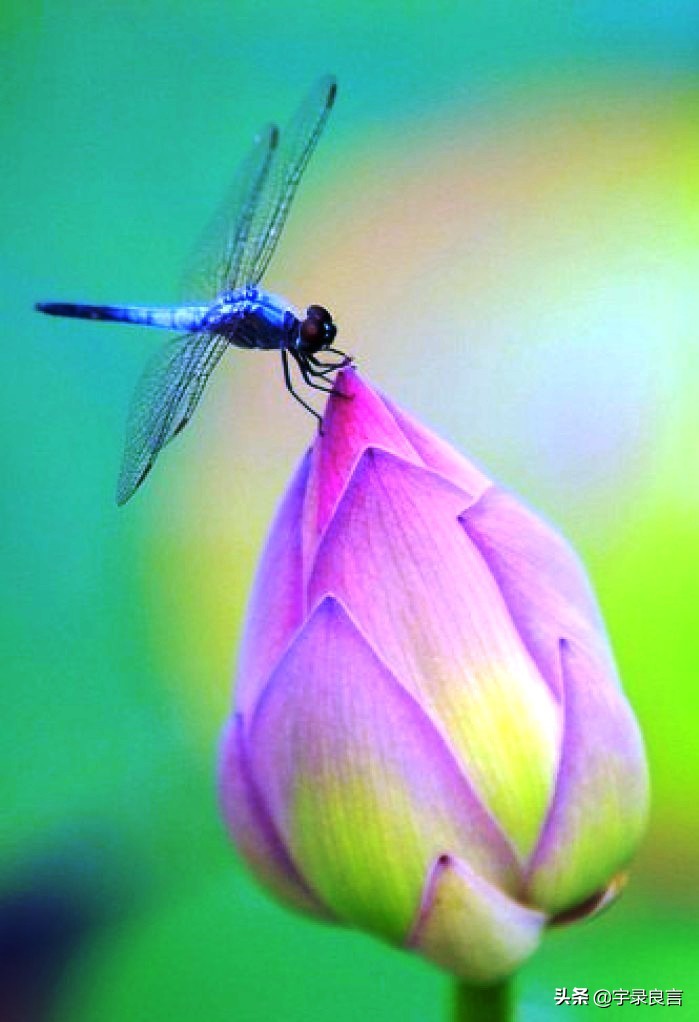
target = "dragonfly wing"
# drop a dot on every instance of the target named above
(215, 259)
(194, 392)
(279, 187)
(164, 402)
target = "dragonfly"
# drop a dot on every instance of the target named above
(228, 268)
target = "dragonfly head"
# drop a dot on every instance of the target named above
(317, 331)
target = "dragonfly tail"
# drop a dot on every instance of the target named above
(185, 318)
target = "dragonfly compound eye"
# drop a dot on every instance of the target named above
(317, 330)
(311, 335)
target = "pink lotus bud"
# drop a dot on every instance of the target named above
(430, 741)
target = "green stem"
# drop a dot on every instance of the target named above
(484, 1004)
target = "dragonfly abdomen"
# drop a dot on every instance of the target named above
(185, 318)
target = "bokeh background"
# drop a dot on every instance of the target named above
(504, 219)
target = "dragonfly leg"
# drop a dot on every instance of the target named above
(297, 397)
(314, 371)
(308, 375)
(343, 361)
(322, 369)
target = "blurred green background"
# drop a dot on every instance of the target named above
(504, 219)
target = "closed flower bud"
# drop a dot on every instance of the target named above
(430, 741)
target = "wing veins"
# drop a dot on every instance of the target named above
(158, 399)
(298, 142)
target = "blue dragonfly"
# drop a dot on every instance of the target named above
(230, 264)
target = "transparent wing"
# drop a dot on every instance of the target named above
(214, 262)
(164, 402)
(291, 158)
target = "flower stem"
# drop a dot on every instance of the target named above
(483, 1004)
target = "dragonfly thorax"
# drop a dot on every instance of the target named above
(252, 318)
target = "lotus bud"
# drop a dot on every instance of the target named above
(429, 738)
